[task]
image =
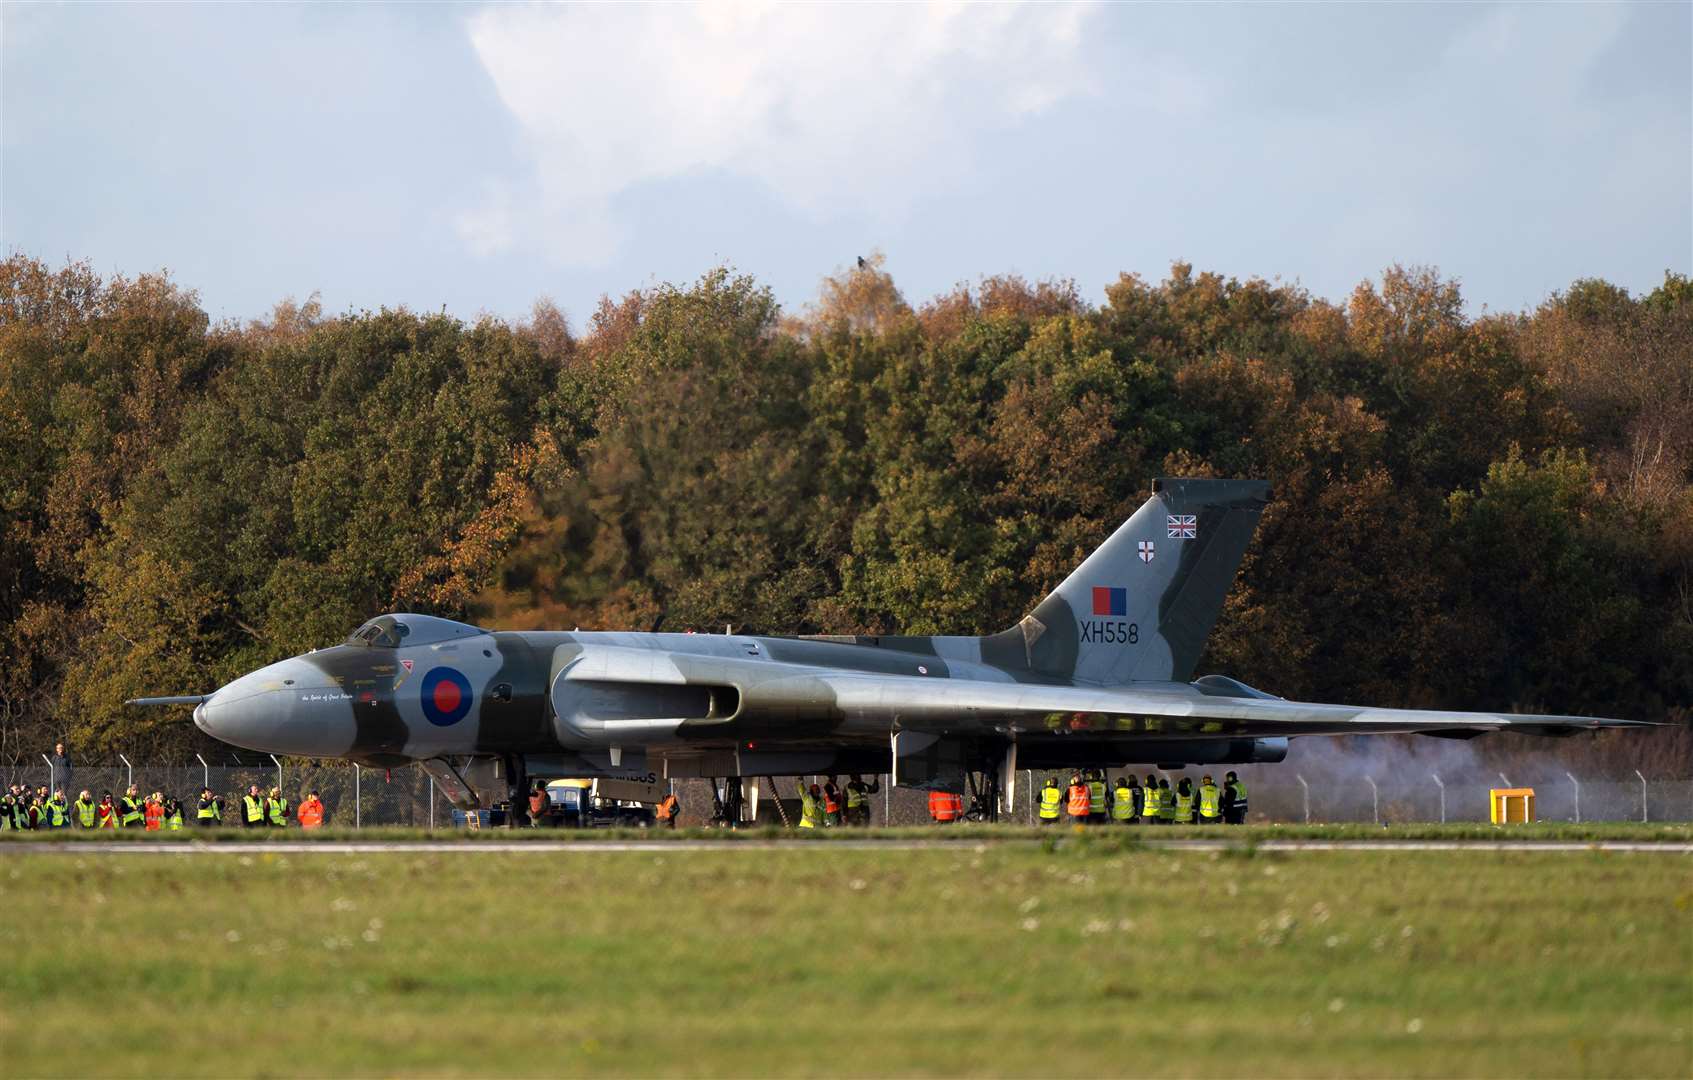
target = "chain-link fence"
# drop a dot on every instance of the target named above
(1430, 798)
(354, 796)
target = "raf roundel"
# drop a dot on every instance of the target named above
(446, 696)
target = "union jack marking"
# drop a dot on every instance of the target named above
(1146, 551)
(1181, 526)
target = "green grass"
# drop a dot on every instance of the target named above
(1636, 832)
(1091, 958)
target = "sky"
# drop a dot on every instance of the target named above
(479, 157)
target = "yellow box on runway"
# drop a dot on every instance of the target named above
(1508, 806)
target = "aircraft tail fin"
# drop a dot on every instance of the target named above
(1142, 605)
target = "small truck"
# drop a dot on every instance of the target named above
(602, 804)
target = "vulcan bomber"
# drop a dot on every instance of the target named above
(1100, 674)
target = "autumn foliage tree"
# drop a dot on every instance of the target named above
(1490, 512)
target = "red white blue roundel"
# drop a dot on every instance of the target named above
(446, 696)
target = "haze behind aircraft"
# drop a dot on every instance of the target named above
(1097, 675)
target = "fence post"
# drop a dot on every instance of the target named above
(1375, 800)
(358, 778)
(1577, 785)
(432, 802)
(278, 761)
(1643, 815)
(1307, 788)
(1503, 779)
(52, 775)
(130, 768)
(206, 771)
(1441, 784)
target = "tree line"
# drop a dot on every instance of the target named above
(1483, 511)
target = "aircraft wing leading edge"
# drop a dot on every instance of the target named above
(955, 705)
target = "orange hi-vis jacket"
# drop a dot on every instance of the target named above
(667, 808)
(1080, 802)
(311, 814)
(945, 806)
(153, 814)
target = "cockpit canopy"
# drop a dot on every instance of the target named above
(392, 631)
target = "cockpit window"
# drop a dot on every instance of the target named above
(392, 631)
(383, 632)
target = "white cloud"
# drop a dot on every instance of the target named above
(854, 107)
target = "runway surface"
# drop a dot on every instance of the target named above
(339, 847)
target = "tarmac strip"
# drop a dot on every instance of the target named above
(339, 847)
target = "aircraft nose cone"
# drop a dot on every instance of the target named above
(287, 708)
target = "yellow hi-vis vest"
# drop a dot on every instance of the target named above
(208, 811)
(1096, 797)
(1050, 799)
(1184, 806)
(1123, 803)
(856, 796)
(84, 813)
(1149, 802)
(254, 806)
(278, 811)
(811, 812)
(1210, 801)
(131, 811)
(1167, 803)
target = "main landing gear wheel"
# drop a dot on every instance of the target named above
(517, 809)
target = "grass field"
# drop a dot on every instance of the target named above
(1090, 959)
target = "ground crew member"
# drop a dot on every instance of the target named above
(810, 806)
(538, 806)
(173, 813)
(946, 807)
(311, 812)
(276, 809)
(831, 804)
(106, 814)
(210, 810)
(1077, 801)
(58, 814)
(1051, 798)
(1096, 798)
(1151, 805)
(1234, 809)
(133, 814)
(668, 808)
(153, 812)
(1166, 802)
(55, 813)
(858, 800)
(1184, 802)
(1123, 809)
(8, 812)
(84, 807)
(1210, 802)
(252, 808)
(33, 818)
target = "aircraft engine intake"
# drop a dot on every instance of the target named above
(591, 712)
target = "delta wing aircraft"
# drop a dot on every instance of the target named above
(1098, 674)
